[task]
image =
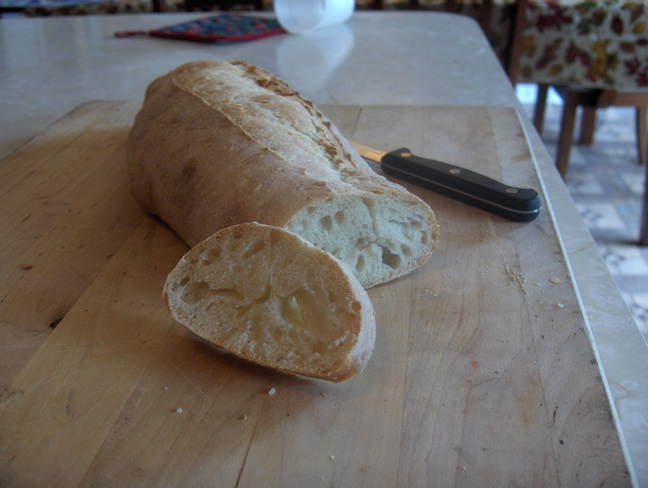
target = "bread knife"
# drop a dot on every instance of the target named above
(518, 204)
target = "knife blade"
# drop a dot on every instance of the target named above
(517, 204)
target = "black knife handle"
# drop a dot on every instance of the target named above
(519, 204)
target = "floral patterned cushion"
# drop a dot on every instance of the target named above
(590, 43)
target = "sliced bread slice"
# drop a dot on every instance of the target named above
(269, 296)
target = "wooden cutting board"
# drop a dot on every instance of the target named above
(483, 373)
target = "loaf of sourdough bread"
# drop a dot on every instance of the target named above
(223, 143)
(269, 296)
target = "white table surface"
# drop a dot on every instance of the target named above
(48, 66)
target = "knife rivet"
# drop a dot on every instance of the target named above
(511, 190)
(405, 154)
(455, 171)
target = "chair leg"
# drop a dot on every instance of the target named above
(588, 122)
(642, 135)
(540, 106)
(485, 17)
(514, 44)
(566, 132)
(643, 233)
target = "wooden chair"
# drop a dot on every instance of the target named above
(583, 93)
(590, 100)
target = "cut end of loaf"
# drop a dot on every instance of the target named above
(269, 296)
(378, 238)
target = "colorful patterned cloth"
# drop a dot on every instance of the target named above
(590, 43)
(226, 27)
(229, 27)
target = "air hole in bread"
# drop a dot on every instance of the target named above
(340, 217)
(254, 248)
(326, 222)
(369, 203)
(406, 250)
(308, 311)
(389, 258)
(267, 294)
(398, 227)
(227, 293)
(360, 263)
(291, 311)
(194, 292)
(213, 255)
(180, 283)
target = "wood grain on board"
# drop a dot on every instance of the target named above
(483, 371)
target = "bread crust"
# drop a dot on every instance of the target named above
(222, 143)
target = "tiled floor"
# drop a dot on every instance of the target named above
(607, 184)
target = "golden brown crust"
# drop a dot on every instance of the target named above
(199, 172)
